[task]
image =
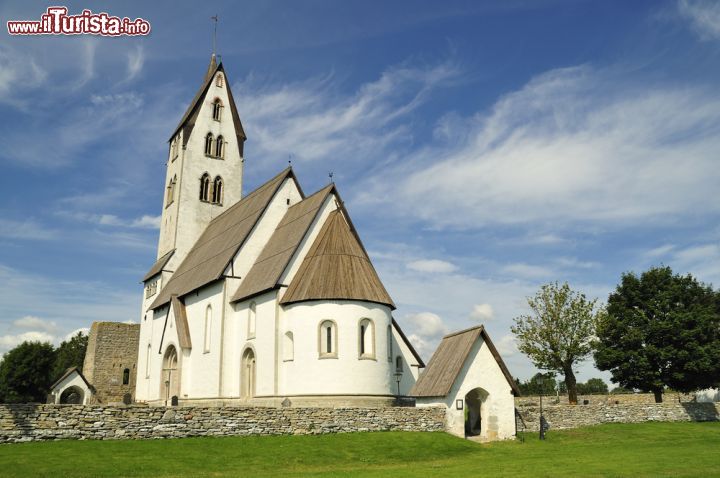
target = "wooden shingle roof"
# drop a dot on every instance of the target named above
(187, 123)
(158, 266)
(221, 240)
(448, 360)
(275, 256)
(337, 268)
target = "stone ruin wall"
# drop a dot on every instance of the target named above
(112, 348)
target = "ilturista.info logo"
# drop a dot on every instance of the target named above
(56, 21)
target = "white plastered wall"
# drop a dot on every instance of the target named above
(497, 410)
(72, 380)
(347, 373)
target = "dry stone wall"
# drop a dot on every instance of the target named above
(574, 416)
(606, 398)
(35, 422)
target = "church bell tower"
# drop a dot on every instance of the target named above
(204, 166)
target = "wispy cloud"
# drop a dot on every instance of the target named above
(482, 312)
(36, 323)
(311, 121)
(573, 145)
(432, 265)
(704, 17)
(25, 229)
(135, 61)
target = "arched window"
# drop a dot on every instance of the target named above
(398, 364)
(288, 347)
(389, 343)
(366, 338)
(327, 339)
(126, 376)
(217, 190)
(251, 320)
(220, 147)
(217, 109)
(209, 140)
(219, 80)
(204, 187)
(208, 328)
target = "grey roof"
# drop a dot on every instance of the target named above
(158, 266)
(337, 268)
(187, 123)
(221, 240)
(448, 360)
(419, 359)
(274, 258)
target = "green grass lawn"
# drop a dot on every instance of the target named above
(650, 449)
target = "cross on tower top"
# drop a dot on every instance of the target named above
(215, 19)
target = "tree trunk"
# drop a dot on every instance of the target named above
(571, 385)
(658, 395)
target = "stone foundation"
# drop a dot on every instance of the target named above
(34, 422)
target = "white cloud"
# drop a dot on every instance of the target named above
(704, 16)
(659, 251)
(70, 335)
(432, 265)
(36, 323)
(7, 342)
(143, 222)
(482, 312)
(574, 145)
(699, 260)
(507, 346)
(427, 324)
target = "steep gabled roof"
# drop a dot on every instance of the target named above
(275, 257)
(221, 240)
(187, 123)
(448, 360)
(158, 266)
(181, 323)
(69, 372)
(409, 345)
(337, 268)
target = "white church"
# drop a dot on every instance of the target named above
(271, 299)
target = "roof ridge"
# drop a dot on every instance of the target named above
(463, 331)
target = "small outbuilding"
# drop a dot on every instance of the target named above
(467, 376)
(71, 388)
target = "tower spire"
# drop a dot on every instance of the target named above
(215, 21)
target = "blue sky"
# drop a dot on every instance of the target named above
(482, 148)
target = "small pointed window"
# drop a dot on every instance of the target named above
(328, 339)
(217, 194)
(171, 190)
(288, 347)
(251, 320)
(174, 148)
(219, 80)
(204, 187)
(126, 376)
(389, 343)
(208, 328)
(366, 339)
(220, 147)
(209, 144)
(398, 364)
(217, 109)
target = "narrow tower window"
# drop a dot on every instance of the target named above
(209, 143)
(217, 109)
(219, 80)
(288, 347)
(220, 147)
(204, 187)
(251, 320)
(217, 190)
(171, 190)
(126, 376)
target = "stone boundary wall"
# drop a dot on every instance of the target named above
(36, 422)
(574, 416)
(605, 398)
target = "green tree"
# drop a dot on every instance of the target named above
(558, 334)
(661, 330)
(26, 372)
(71, 353)
(592, 386)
